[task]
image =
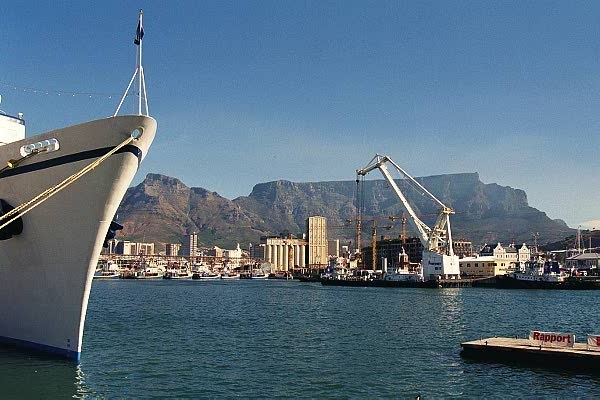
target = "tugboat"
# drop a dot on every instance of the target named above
(544, 275)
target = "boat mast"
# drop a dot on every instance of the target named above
(139, 72)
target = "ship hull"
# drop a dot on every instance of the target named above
(571, 283)
(46, 271)
(379, 283)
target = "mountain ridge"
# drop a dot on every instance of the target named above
(162, 209)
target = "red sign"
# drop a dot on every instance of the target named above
(553, 339)
(594, 342)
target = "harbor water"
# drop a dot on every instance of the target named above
(263, 339)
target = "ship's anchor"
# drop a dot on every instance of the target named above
(15, 227)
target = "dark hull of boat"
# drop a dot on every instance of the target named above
(309, 278)
(572, 283)
(379, 283)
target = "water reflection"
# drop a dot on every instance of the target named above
(31, 375)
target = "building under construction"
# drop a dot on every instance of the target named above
(390, 249)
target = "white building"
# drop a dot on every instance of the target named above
(128, 248)
(284, 253)
(232, 258)
(480, 266)
(507, 258)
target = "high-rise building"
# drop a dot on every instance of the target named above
(172, 249)
(126, 247)
(256, 251)
(189, 247)
(333, 248)
(317, 240)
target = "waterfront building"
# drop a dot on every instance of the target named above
(508, 258)
(390, 250)
(284, 253)
(480, 266)
(317, 240)
(524, 255)
(189, 247)
(214, 252)
(232, 258)
(172, 249)
(333, 248)
(462, 248)
(111, 249)
(495, 260)
(126, 247)
(256, 251)
(587, 262)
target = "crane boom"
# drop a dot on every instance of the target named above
(439, 254)
(420, 226)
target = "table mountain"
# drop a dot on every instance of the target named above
(162, 209)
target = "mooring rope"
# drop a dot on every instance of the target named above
(45, 195)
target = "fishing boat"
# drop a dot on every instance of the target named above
(109, 270)
(287, 275)
(150, 273)
(254, 274)
(207, 276)
(230, 276)
(259, 274)
(59, 192)
(183, 273)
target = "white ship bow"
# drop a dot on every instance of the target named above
(46, 271)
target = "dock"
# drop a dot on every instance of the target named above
(515, 350)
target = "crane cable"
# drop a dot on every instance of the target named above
(24, 208)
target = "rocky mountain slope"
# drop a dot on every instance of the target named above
(162, 209)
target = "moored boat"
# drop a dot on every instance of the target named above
(546, 275)
(255, 274)
(109, 270)
(383, 283)
(281, 275)
(150, 273)
(177, 274)
(207, 276)
(48, 290)
(63, 187)
(259, 274)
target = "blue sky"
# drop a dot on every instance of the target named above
(253, 91)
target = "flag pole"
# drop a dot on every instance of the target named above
(139, 72)
(140, 69)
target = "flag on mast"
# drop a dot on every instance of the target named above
(139, 33)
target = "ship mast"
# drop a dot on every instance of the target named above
(139, 72)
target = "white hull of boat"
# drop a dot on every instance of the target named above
(210, 278)
(228, 277)
(112, 276)
(46, 272)
(149, 276)
(176, 275)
